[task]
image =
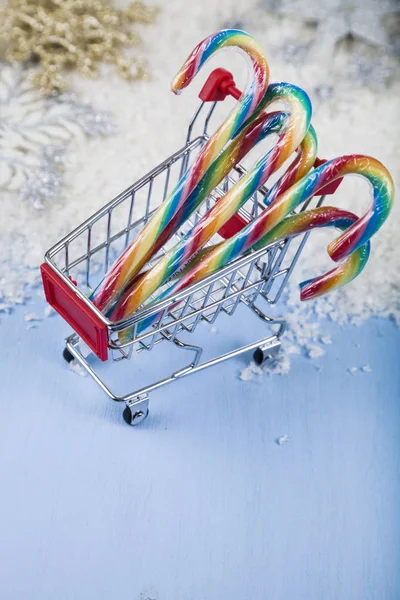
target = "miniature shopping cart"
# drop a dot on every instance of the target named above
(75, 265)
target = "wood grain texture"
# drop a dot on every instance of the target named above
(200, 503)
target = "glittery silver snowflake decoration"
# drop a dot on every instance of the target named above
(338, 19)
(44, 181)
(35, 133)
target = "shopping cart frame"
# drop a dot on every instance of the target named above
(255, 280)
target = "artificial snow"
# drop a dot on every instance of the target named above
(282, 440)
(32, 317)
(247, 373)
(152, 124)
(315, 351)
(49, 311)
(77, 368)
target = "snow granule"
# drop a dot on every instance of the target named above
(366, 369)
(283, 439)
(352, 370)
(49, 311)
(280, 366)
(292, 349)
(326, 339)
(32, 317)
(315, 351)
(77, 368)
(213, 329)
(247, 373)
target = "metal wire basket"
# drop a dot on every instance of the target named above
(75, 265)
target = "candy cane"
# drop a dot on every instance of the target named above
(214, 219)
(135, 256)
(290, 227)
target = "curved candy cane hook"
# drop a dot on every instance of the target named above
(136, 255)
(326, 216)
(290, 227)
(248, 101)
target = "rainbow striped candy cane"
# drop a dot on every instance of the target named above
(370, 168)
(291, 226)
(135, 256)
(214, 219)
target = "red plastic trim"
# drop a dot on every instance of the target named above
(73, 310)
(331, 188)
(219, 85)
(233, 226)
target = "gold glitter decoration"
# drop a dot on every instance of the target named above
(72, 34)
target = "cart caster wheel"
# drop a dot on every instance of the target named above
(266, 352)
(67, 355)
(136, 412)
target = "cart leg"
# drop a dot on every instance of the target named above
(136, 410)
(267, 351)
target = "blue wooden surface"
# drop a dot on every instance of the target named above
(200, 503)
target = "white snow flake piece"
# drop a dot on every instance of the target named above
(246, 374)
(77, 368)
(366, 369)
(29, 317)
(315, 351)
(283, 439)
(257, 369)
(292, 349)
(5, 308)
(326, 339)
(352, 370)
(281, 366)
(213, 329)
(49, 311)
